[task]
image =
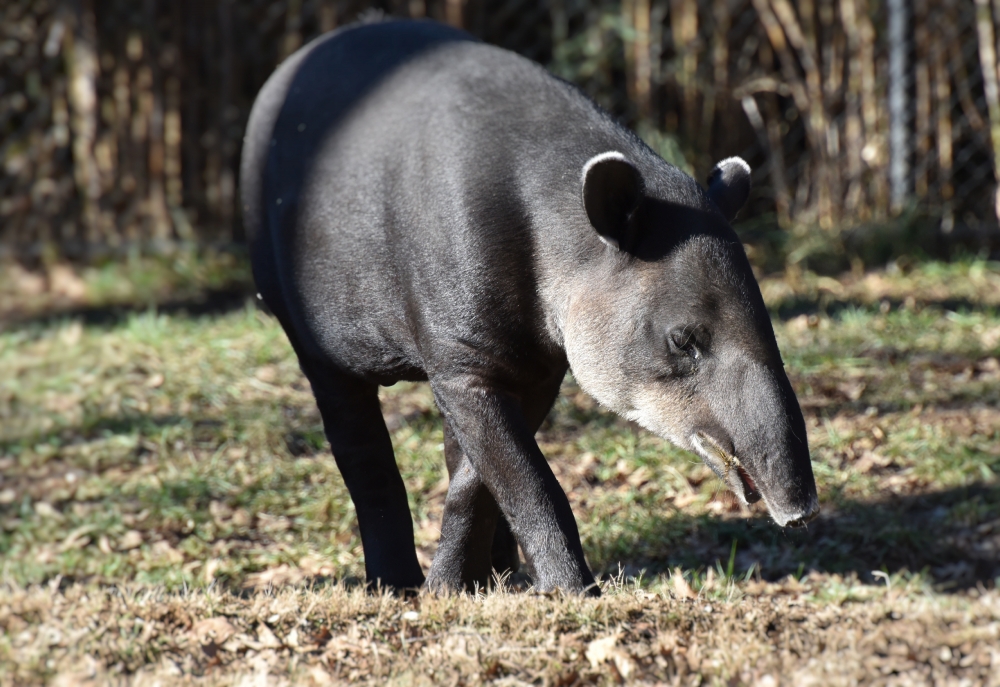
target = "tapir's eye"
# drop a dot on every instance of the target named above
(689, 339)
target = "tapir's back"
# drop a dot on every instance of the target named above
(394, 177)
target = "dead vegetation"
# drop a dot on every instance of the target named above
(820, 631)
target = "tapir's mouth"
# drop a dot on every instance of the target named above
(750, 492)
(728, 468)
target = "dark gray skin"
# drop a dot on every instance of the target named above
(420, 205)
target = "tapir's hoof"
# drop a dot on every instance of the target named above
(402, 588)
(592, 590)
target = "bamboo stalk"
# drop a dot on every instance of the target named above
(853, 129)
(643, 66)
(961, 80)
(897, 106)
(776, 37)
(815, 115)
(922, 94)
(658, 16)
(832, 54)
(996, 22)
(782, 44)
(453, 12)
(684, 27)
(82, 69)
(628, 20)
(873, 152)
(988, 62)
(945, 143)
(327, 13)
(832, 73)
(293, 24)
(720, 73)
(226, 149)
(172, 143)
(776, 163)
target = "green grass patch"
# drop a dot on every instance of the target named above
(186, 450)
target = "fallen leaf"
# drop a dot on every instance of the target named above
(315, 566)
(211, 568)
(241, 518)
(273, 523)
(130, 540)
(640, 477)
(215, 630)
(606, 649)
(72, 333)
(267, 373)
(318, 675)
(77, 539)
(163, 550)
(600, 650)
(623, 663)
(280, 576)
(44, 509)
(681, 586)
(266, 639)
(686, 499)
(63, 281)
(220, 512)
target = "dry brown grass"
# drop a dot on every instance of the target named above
(820, 631)
(765, 634)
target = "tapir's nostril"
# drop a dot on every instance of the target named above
(806, 518)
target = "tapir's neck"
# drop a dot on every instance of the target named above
(569, 275)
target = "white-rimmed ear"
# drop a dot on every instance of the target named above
(729, 185)
(612, 190)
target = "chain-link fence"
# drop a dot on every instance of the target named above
(121, 122)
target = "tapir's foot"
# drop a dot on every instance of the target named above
(402, 585)
(572, 587)
(551, 577)
(441, 582)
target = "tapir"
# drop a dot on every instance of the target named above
(420, 205)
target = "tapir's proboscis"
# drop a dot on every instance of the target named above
(422, 206)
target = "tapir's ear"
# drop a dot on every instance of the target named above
(612, 189)
(729, 185)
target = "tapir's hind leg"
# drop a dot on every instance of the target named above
(361, 446)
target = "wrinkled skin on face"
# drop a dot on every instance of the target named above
(694, 358)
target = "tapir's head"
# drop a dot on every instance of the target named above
(667, 327)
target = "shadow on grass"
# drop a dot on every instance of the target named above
(99, 427)
(791, 308)
(207, 302)
(952, 536)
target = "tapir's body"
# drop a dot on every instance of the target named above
(413, 204)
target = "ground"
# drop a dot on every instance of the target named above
(169, 509)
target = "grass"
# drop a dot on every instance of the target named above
(161, 468)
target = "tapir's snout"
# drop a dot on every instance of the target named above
(789, 502)
(800, 519)
(756, 443)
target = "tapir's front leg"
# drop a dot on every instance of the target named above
(490, 427)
